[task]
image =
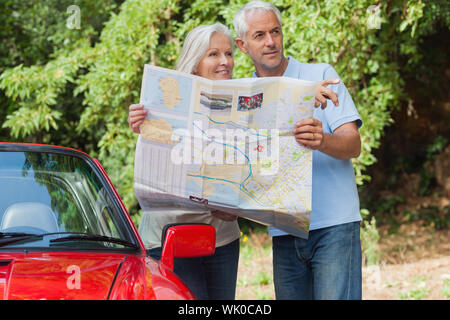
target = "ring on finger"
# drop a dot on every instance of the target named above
(314, 136)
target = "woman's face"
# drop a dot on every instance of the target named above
(218, 62)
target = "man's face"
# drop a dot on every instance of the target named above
(264, 41)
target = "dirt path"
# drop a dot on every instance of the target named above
(427, 279)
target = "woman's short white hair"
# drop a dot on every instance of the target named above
(197, 43)
(241, 26)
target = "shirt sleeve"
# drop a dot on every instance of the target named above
(346, 111)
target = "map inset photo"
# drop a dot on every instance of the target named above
(246, 103)
(219, 104)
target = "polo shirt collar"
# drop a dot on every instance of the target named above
(291, 69)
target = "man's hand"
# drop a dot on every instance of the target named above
(323, 93)
(136, 116)
(309, 133)
(343, 143)
(223, 215)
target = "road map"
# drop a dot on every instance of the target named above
(226, 145)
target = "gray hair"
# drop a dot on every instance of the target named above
(241, 26)
(197, 43)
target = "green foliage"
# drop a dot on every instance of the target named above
(369, 241)
(436, 147)
(446, 288)
(438, 218)
(427, 178)
(389, 205)
(73, 87)
(32, 30)
(419, 292)
(261, 278)
(41, 58)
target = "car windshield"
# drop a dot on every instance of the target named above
(58, 195)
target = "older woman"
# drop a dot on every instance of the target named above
(207, 52)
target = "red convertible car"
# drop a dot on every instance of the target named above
(65, 233)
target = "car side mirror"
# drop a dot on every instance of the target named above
(187, 241)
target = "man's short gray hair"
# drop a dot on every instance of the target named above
(241, 26)
(197, 43)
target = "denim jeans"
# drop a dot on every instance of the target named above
(326, 266)
(209, 278)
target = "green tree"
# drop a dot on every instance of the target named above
(39, 57)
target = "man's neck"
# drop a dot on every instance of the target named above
(275, 72)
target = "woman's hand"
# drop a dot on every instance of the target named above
(136, 116)
(223, 215)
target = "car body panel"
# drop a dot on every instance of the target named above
(87, 276)
(55, 275)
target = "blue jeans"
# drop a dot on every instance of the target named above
(209, 278)
(326, 266)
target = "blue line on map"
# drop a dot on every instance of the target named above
(233, 124)
(241, 185)
(231, 146)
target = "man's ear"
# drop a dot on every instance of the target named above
(241, 45)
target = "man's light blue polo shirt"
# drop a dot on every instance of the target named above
(334, 194)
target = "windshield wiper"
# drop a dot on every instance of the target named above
(11, 237)
(15, 234)
(94, 237)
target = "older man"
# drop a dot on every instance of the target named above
(328, 264)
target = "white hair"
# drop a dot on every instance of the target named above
(197, 43)
(239, 22)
